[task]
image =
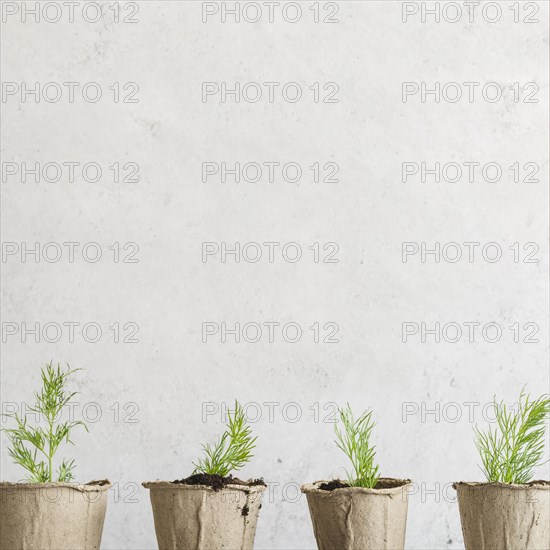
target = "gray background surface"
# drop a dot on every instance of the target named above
(151, 395)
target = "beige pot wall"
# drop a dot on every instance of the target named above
(356, 518)
(500, 516)
(64, 516)
(196, 517)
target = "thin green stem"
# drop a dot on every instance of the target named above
(50, 449)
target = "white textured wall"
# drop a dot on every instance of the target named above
(169, 292)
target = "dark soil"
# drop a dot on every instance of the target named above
(334, 484)
(539, 482)
(217, 482)
(534, 483)
(383, 483)
(386, 483)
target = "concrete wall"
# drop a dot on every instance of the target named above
(152, 402)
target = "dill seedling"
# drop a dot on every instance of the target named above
(511, 450)
(233, 450)
(354, 441)
(34, 448)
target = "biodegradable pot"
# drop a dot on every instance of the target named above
(196, 517)
(503, 516)
(64, 516)
(356, 518)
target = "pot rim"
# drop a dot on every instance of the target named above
(95, 485)
(539, 484)
(159, 484)
(313, 488)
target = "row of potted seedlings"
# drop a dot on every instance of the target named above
(211, 509)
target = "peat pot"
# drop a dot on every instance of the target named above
(504, 516)
(64, 516)
(197, 517)
(357, 518)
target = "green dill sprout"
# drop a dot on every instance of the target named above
(232, 451)
(515, 446)
(34, 448)
(355, 441)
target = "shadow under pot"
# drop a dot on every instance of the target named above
(357, 518)
(64, 516)
(504, 516)
(201, 517)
